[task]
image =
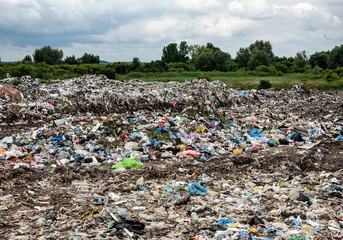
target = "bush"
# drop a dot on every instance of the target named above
(307, 68)
(281, 67)
(15, 73)
(262, 68)
(264, 84)
(16, 82)
(203, 76)
(121, 67)
(317, 70)
(109, 72)
(2, 73)
(44, 81)
(332, 76)
(294, 69)
(178, 67)
(37, 73)
(303, 77)
(339, 71)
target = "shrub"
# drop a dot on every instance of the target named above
(15, 73)
(44, 81)
(203, 76)
(339, 71)
(264, 84)
(178, 67)
(262, 68)
(332, 76)
(307, 68)
(109, 72)
(317, 70)
(16, 82)
(121, 67)
(243, 69)
(294, 69)
(37, 73)
(281, 67)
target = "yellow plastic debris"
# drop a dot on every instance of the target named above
(308, 230)
(238, 151)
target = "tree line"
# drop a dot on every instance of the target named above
(257, 57)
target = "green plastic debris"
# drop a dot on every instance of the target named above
(209, 110)
(298, 237)
(111, 224)
(129, 163)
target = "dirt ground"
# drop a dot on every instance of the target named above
(50, 191)
(58, 202)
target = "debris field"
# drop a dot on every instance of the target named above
(94, 158)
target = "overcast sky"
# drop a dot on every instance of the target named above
(120, 30)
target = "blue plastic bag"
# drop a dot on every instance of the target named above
(256, 133)
(227, 220)
(196, 189)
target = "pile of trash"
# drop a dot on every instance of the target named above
(97, 158)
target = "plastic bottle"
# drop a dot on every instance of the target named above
(194, 217)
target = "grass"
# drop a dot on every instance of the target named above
(243, 80)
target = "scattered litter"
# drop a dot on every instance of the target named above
(94, 158)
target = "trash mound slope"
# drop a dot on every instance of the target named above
(95, 158)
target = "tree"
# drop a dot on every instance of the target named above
(319, 59)
(183, 52)
(135, 65)
(89, 58)
(263, 46)
(209, 58)
(301, 59)
(109, 71)
(205, 61)
(173, 53)
(121, 67)
(212, 47)
(196, 50)
(258, 58)
(27, 58)
(48, 55)
(281, 67)
(336, 57)
(242, 57)
(71, 60)
(258, 53)
(155, 66)
(222, 61)
(170, 53)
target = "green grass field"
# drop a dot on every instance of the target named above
(242, 80)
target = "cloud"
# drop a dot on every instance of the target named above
(197, 5)
(115, 29)
(252, 9)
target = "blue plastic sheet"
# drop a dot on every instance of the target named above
(256, 133)
(226, 220)
(196, 189)
(272, 143)
(243, 235)
(296, 223)
(57, 138)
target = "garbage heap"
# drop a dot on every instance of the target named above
(93, 158)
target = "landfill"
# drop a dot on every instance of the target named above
(95, 158)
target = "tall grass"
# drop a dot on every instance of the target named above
(243, 80)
